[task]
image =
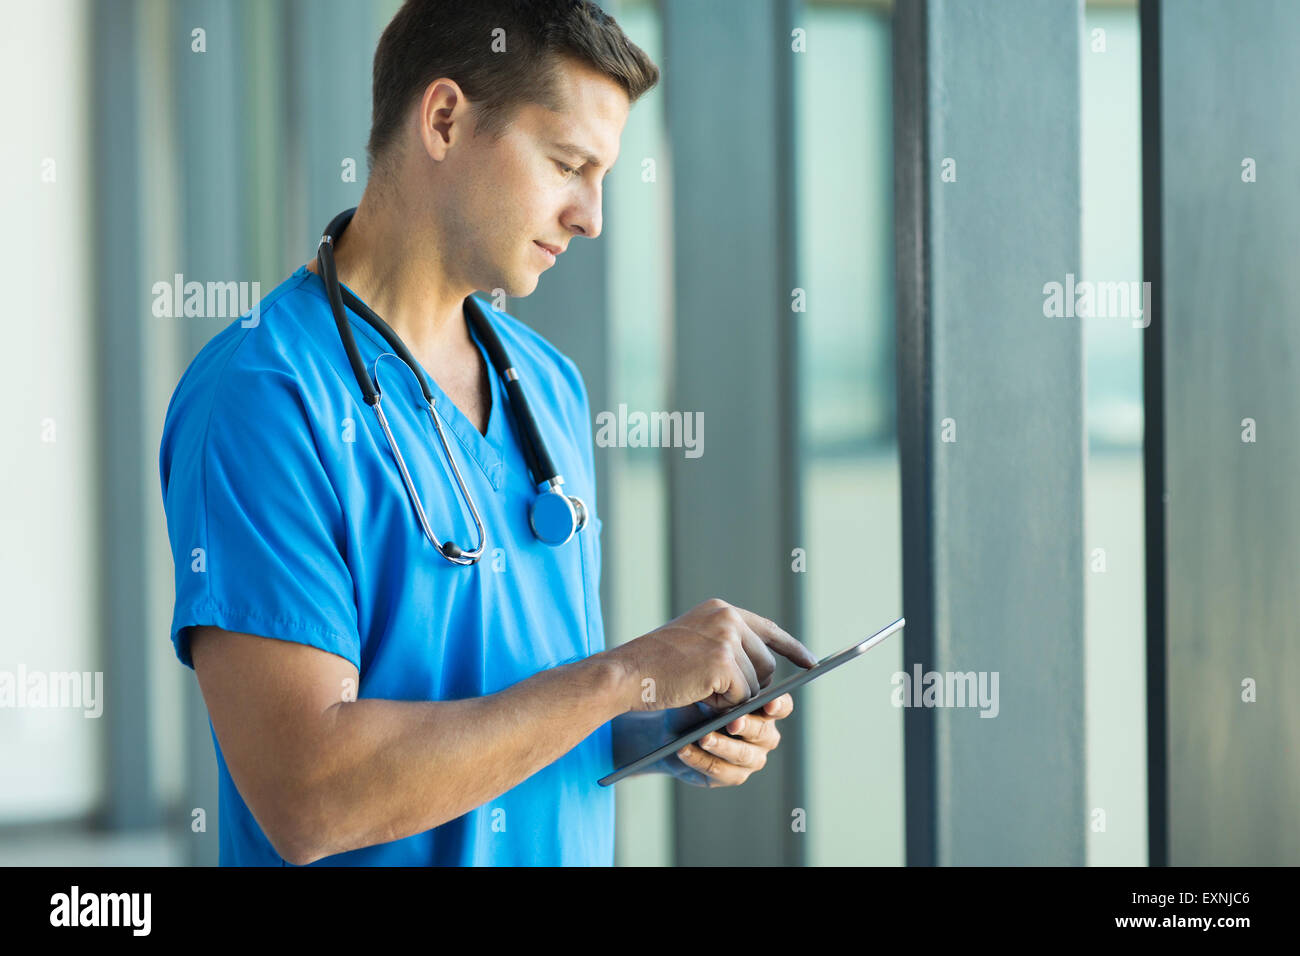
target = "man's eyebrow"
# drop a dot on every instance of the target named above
(576, 150)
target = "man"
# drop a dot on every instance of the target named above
(370, 701)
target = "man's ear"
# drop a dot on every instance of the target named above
(444, 116)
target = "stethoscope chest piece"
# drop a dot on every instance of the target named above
(556, 517)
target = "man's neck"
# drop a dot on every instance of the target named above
(403, 276)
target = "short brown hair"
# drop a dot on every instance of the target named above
(457, 39)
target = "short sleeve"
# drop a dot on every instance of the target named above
(256, 527)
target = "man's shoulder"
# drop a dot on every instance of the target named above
(263, 339)
(250, 365)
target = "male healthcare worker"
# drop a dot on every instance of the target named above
(372, 702)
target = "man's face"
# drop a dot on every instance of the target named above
(540, 183)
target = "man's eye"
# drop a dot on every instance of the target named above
(566, 169)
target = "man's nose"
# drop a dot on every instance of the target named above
(586, 220)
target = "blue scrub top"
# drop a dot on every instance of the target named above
(288, 518)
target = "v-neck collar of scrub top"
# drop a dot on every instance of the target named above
(485, 450)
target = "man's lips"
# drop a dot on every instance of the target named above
(553, 250)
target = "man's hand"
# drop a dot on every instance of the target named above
(716, 654)
(722, 761)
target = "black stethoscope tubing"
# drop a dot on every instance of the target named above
(541, 468)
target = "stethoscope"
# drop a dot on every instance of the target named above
(555, 517)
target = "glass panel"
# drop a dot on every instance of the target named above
(640, 337)
(49, 742)
(853, 577)
(1115, 676)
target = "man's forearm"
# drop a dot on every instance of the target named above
(388, 769)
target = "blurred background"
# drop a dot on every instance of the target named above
(777, 228)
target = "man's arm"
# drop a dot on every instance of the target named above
(323, 774)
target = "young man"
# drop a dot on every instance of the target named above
(372, 702)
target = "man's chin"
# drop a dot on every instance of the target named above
(516, 285)
(522, 284)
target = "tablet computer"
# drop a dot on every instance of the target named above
(755, 703)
